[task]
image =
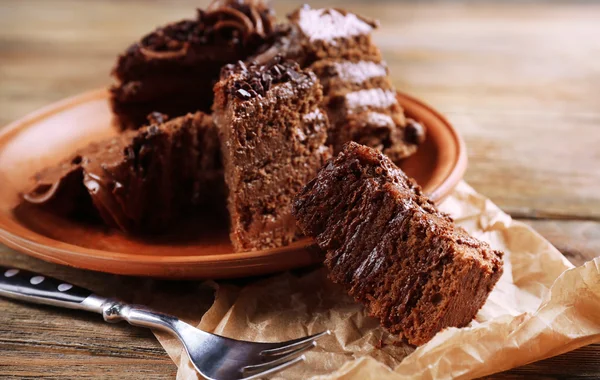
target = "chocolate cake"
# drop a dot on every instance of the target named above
(391, 249)
(173, 69)
(333, 34)
(272, 140)
(358, 95)
(139, 181)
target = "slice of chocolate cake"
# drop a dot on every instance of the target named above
(358, 95)
(392, 250)
(173, 69)
(333, 33)
(139, 181)
(272, 137)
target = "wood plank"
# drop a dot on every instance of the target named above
(53, 343)
(578, 364)
(579, 241)
(519, 81)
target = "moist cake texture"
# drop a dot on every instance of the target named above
(173, 69)
(391, 249)
(139, 181)
(358, 95)
(273, 141)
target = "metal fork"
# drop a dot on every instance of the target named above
(215, 357)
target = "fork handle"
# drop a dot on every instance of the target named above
(35, 288)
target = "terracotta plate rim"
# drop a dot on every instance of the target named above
(460, 165)
(44, 243)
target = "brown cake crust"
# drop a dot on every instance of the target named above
(391, 249)
(173, 69)
(139, 181)
(272, 138)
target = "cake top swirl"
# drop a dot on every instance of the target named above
(237, 23)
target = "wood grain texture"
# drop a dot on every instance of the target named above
(519, 81)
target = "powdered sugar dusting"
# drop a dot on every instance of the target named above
(379, 119)
(359, 72)
(314, 115)
(374, 97)
(327, 24)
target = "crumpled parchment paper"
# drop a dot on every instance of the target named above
(542, 306)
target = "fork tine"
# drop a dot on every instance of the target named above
(275, 369)
(280, 359)
(293, 344)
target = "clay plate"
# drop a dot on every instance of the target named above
(197, 248)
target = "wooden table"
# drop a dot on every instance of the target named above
(520, 82)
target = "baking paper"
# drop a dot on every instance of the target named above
(542, 306)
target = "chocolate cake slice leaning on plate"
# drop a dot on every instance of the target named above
(273, 141)
(173, 69)
(391, 249)
(358, 95)
(139, 181)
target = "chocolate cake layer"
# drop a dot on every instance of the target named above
(272, 137)
(339, 77)
(139, 181)
(337, 46)
(173, 69)
(391, 249)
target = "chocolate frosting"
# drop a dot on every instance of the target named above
(241, 24)
(100, 173)
(173, 69)
(64, 188)
(140, 180)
